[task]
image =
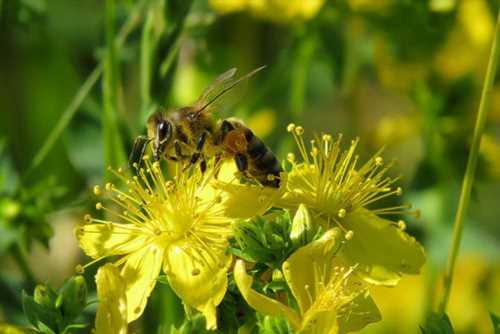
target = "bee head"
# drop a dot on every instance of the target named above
(163, 130)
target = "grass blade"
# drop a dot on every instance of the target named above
(470, 170)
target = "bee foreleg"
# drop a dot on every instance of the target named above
(200, 143)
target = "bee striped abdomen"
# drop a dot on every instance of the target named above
(262, 162)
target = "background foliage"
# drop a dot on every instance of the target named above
(79, 78)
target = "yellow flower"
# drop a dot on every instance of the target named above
(273, 10)
(165, 224)
(337, 192)
(243, 201)
(111, 317)
(331, 299)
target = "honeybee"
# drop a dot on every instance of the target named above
(190, 134)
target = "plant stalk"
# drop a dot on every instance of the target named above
(470, 168)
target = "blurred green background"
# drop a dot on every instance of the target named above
(401, 74)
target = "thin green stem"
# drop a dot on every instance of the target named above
(147, 50)
(114, 154)
(85, 89)
(471, 167)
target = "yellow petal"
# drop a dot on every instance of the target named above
(299, 188)
(382, 251)
(242, 201)
(260, 302)
(99, 240)
(302, 231)
(320, 322)
(299, 268)
(111, 317)
(361, 312)
(139, 273)
(199, 285)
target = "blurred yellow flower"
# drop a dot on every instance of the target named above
(490, 149)
(396, 74)
(331, 299)
(262, 122)
(111, 316)
(468, 43)
(164, 224)
(273, 10)
(337, 192)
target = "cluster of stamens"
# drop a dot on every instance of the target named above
(337, 185)
(162, 211)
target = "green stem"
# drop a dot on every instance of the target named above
(471, 167)
(147, 47)
(20, 257)
(114, 154)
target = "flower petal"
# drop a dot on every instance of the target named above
(361, 312)
(320, 322)
(139, 273)
(98, 240)
(299, 267)
(201, 286)
(242, 200)
(260, 302)
(111, 317)
(382, 250)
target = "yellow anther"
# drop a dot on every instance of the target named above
(349, 235)
(402, 225)
(327, 138)
(135, 165)
(399, 191)
(290, 127)
(145, 157)
(97, 190)
(290, 157)
(156, 165)
(270, 177)
(314, 151)
(379, 161)
(342, 213)
(109, 186)
(79, 269)
(87, 218)
(120, 170)
(299, 131)
(99, 206)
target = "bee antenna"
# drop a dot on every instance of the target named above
(225, 90)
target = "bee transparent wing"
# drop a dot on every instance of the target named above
(217, 85)
(222, 84)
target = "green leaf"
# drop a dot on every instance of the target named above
(45, 296)
(437, 324)
(38, 315)
(72, 298)
(495, 320)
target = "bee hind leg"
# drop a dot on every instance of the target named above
(200, 143)
(241, 162)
